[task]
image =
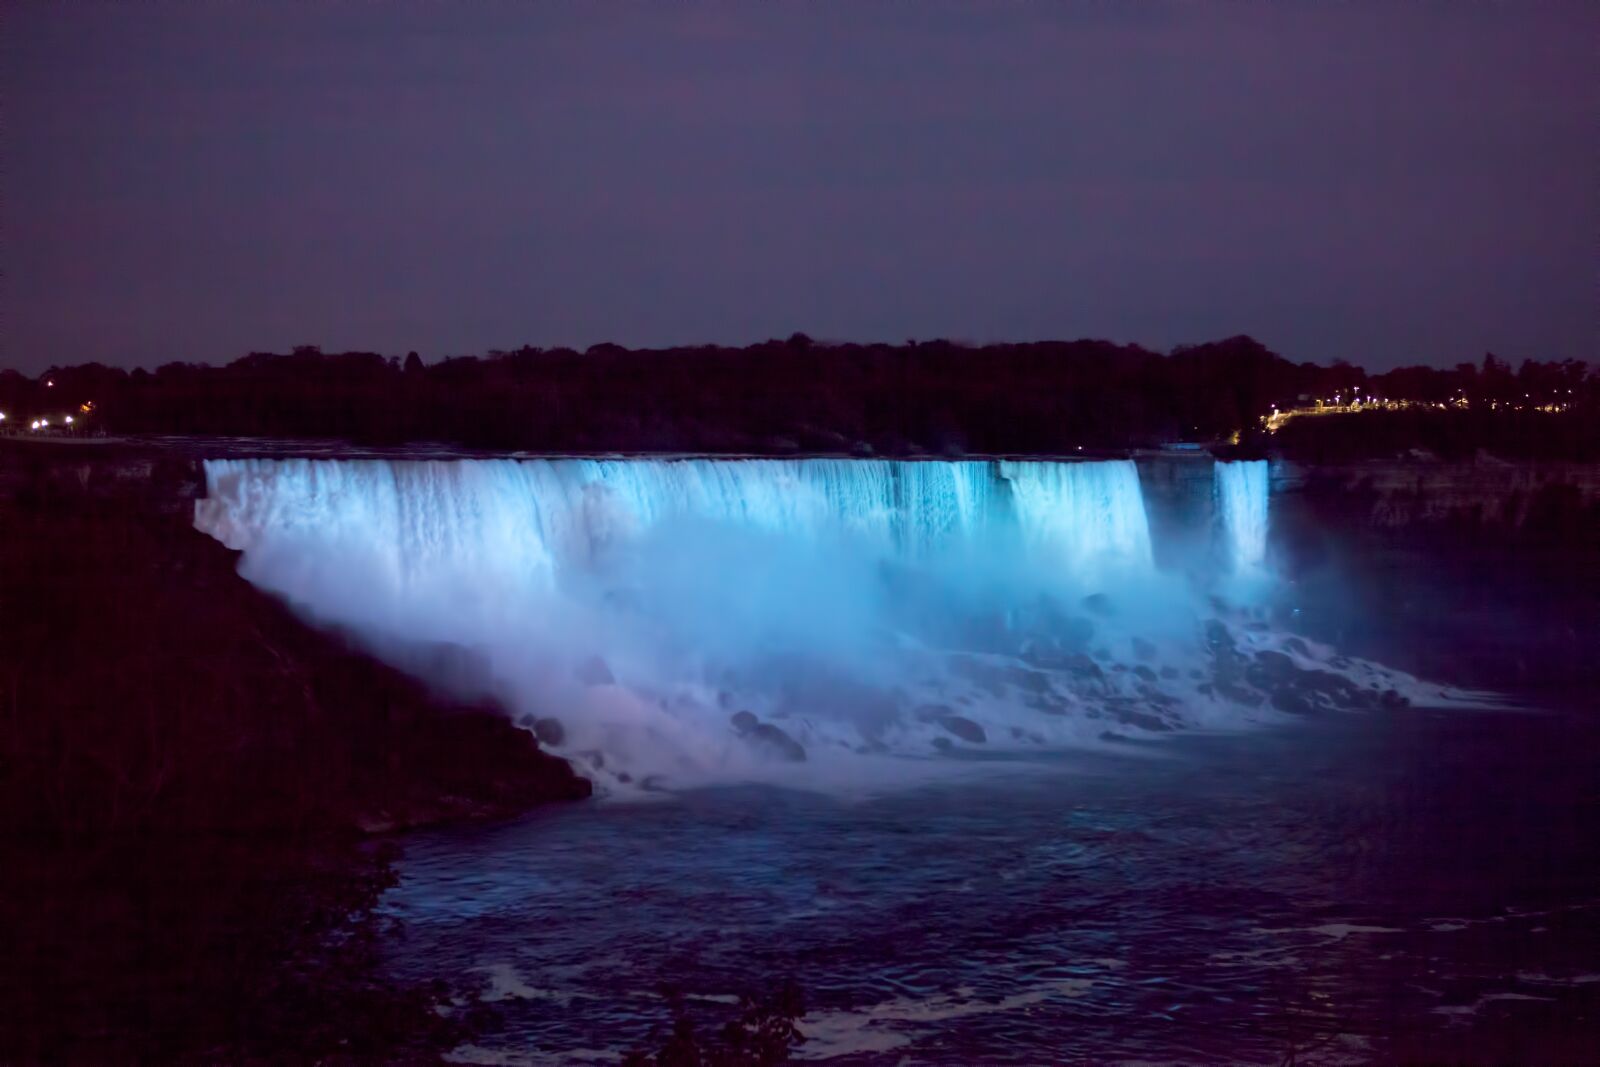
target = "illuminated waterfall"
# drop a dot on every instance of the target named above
(1242, 513)
(532, 518)
(1093, 511)
(692, 620)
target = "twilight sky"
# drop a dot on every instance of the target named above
(1388, 183)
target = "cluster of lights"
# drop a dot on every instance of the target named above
(41, 424)
(1326, 406)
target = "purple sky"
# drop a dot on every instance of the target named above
(1388, 183)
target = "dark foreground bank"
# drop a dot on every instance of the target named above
(187, 773)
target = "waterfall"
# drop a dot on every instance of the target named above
(692, 620)
(1087, 511)
(1241, 489)
(535, 517)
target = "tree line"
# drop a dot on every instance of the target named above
(793, 394)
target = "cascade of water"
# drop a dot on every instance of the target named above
(1241, 489)
(664, 609)
(532, 514)
(1081, 513)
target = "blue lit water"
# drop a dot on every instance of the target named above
(1410, 885)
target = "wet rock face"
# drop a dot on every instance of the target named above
(1218, 637)
(957, 725)
(767, 739)
(1274, 678)
(1430, 499)
(1274, 666)
(1301, 690)
(549, 731)
(773, 741)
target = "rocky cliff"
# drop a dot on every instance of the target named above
(145, 686)
(1517, 499)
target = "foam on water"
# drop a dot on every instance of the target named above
(691, 620)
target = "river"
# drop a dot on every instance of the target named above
(1406, 885)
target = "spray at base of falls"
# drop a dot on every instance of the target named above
(677, 621)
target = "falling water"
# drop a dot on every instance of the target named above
(691, 619)
(532, 518)
(1242, 513)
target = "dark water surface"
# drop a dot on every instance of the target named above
(1416, 885)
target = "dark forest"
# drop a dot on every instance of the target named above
(798, 395)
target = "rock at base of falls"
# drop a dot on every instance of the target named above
(549, 731)
(766, 738)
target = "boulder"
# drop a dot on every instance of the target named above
(1218, 636)
(773, 741)
(1276, 666)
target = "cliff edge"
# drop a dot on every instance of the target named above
(145, 686)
